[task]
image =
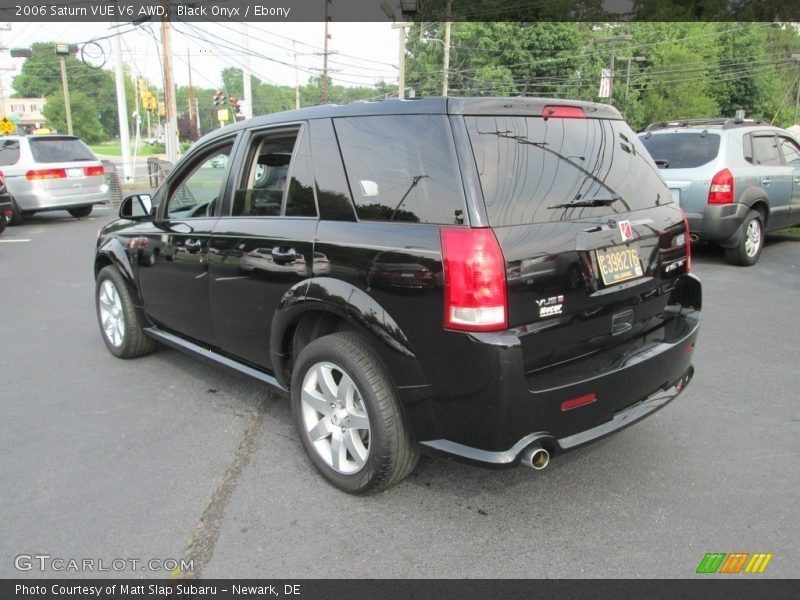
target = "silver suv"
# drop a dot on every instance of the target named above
(51, 172)
(734, 178)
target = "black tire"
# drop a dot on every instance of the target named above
(391, 453)
(81, 211)
(749, 241)
(3, 222)
(132, 341)
(16, 217)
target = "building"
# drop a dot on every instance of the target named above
(26, 113)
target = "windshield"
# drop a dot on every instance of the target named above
(60, 149)
(535, 170)
(684, 150)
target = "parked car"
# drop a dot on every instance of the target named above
(51, 172)
(736, 179)
(459, 194)
(5, 204)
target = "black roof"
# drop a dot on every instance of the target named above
(436, 105)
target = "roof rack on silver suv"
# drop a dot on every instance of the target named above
(724, 123)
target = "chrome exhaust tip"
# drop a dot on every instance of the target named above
(694, 237)
(536, 458)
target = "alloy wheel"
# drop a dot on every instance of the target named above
(111, 315)
(335, 418)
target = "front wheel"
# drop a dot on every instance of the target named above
(119, 323)
(348, 416)
(749, 241)
(81, 211)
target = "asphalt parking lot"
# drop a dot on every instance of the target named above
(166, 457)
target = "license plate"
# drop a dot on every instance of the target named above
(77, 172)
(619, 263)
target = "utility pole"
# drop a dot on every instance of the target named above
(401, 57)
(325, 57)
(628, 77)
(446, 70)
(63, 50)
(613, 41)
(192, 106)
(171, 119)
(122, 110)
(796, 58)
(296, 77)
(247, 105)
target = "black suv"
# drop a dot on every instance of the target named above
(492, 280)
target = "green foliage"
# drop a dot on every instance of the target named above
(40, 76)
(85, 121)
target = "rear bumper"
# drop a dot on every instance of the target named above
(556, 446)
(512, 412)
(41, 199)
(717, 222)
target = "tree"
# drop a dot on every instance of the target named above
(85, 122)
(40, 76)
(187, 129)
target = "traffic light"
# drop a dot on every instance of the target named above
(237, 110)
(219, 99)
(142, 87)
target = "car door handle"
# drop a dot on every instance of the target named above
(766, 180)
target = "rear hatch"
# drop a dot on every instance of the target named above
(686, 159)
(592, 241)
(65, 166)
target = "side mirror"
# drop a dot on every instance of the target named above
(136, 206)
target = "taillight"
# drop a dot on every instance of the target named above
(563, 112)
(93, 171)
(46, 174)
(474, 280)
(721, 190)
(687, 242)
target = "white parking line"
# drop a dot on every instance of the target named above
(9, 241)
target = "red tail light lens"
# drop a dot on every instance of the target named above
(474, 280)
(688, 242)
(93, 171)
(721, 190)
(563, 112)
(46, 174)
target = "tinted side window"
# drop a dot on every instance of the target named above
(196, 193)
(59, 149)
(333, 194)
(791, 152)
(261, 192)
(682, 150)
(765, 150)
(300, 199)
(529, 166)
(402, 168)
(9, 152)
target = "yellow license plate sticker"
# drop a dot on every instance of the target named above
(619, 263)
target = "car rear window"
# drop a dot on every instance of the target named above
(60, 149)
(529, 166)
(9, 152)
(684, 150)
(402, 168)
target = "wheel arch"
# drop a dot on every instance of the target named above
(756, 199)
(325, 305)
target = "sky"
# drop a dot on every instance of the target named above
(364, 52)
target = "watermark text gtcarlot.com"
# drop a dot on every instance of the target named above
(46, 562)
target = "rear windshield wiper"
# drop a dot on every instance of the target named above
(661, 163)
(593, 202)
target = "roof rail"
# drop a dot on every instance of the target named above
(724, 123)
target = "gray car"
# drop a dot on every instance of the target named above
(51, 172)
(735, 178)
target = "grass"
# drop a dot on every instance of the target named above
(794, 231)
(115, 149)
